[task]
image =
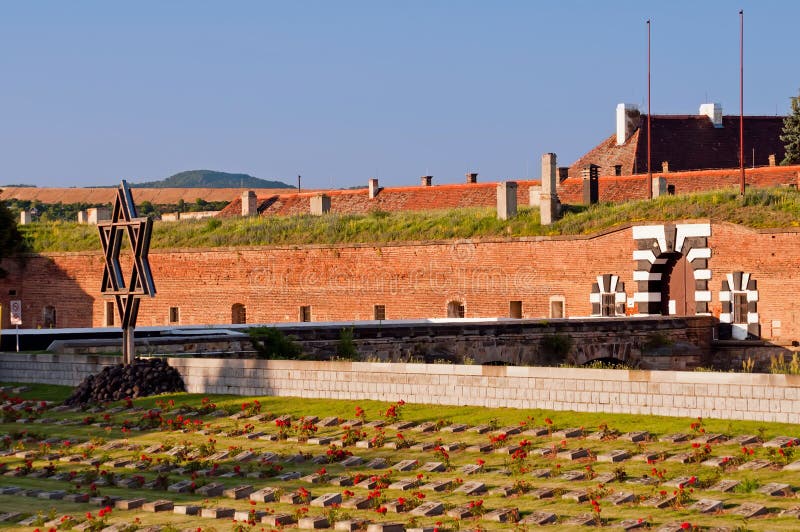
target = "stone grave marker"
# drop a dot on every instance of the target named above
(278, 519)
(573, 454)
(508, 449)
(544, 492)
(404, 484)
(387, 527)
(782, 441)
(423, 446)
(541, 473)
(245, 515)
(352, 461)
(754, 465)
(620, 497)
(313, 478)
(321, 440)
(376, 424)
(457, 427)
(679, 482)
(614, 456)
(749, 510)
(647, 456)
(433, 467)
(368, 483)
(186, 509)
(217, 513)
(479, 448)
(428, 509)
(212, 489)
(510, 430)
(709, 437)
(437, 485)
(289, 475)
(359, 503)
(681, 458)
(342, 481)
(659, 502)
(744, 439)
(725, 485)
(503, 491)
(377, 463)
(539, 518)
(328, 499)
(536, 432)
(471, 488)
(330, 421)
(775, 489)
(605, 478)
(581, 520)
(239, 492)
(636, 436)
(295, 498)
(460, 512)
(634, 524)
(351, 525)
(405, 465)
(129, 504)
(573, 476)
(76, 497)
(480, 429)
(183, 486)
(395, 506)
(576, 495)
(402, 425)
(573, 432)
(718, 461)
(542, 451)
(707, 506)
(264, 495)
(161, 505)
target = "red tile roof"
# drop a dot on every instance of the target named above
(688, 142)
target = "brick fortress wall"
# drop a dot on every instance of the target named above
(412, 280)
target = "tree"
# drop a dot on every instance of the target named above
(791, 134)
(10, 238)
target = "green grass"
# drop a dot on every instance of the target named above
(492, 477)
(761, 208)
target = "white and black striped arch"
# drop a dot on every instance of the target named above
(656, 246)
(608, 285)
(740, 289)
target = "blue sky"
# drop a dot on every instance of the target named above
(95, 91)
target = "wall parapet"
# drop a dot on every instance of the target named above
(743, 396)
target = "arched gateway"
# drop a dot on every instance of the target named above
(672, 271)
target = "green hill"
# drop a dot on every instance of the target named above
(211, 179)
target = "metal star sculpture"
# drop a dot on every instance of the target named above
(124, 220)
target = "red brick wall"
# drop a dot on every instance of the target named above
(625, 188)
(413, 280)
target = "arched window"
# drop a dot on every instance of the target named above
(455, 309)
(238, 313)
(49, 317)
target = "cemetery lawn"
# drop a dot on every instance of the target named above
(139, 449)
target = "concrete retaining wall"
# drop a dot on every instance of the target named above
(759, 397)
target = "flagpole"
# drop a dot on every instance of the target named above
(741, 102)
(649, 186)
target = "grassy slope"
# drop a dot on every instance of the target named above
(759, 209)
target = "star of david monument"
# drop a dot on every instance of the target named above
(125, 222)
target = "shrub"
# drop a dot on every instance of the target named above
(271, 343)
(346, 347)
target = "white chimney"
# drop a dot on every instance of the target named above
(713, 111)
(373, 188)
(627, 121)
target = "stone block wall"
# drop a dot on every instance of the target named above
(758, 397)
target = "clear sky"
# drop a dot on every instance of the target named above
(340, 91)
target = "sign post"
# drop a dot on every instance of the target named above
(15, 314)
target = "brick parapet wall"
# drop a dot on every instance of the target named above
(757, 397)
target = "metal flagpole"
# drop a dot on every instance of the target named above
(741, 102)
(649, 135)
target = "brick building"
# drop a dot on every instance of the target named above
(746, 278)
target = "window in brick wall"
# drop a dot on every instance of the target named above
(380, 312)
(49, 317)
(238, 313)
(305, 313)
(174, 315)
(515, 309)
(557, 307)
(671, 190)
(607, 304)
(617, 169)
(110, 309)
(455, 309)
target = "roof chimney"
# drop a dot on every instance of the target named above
(373, 188)
(713, 111)
(472, 178)
(627, 121)
(426, 180)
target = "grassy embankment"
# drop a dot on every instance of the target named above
(763, 208)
